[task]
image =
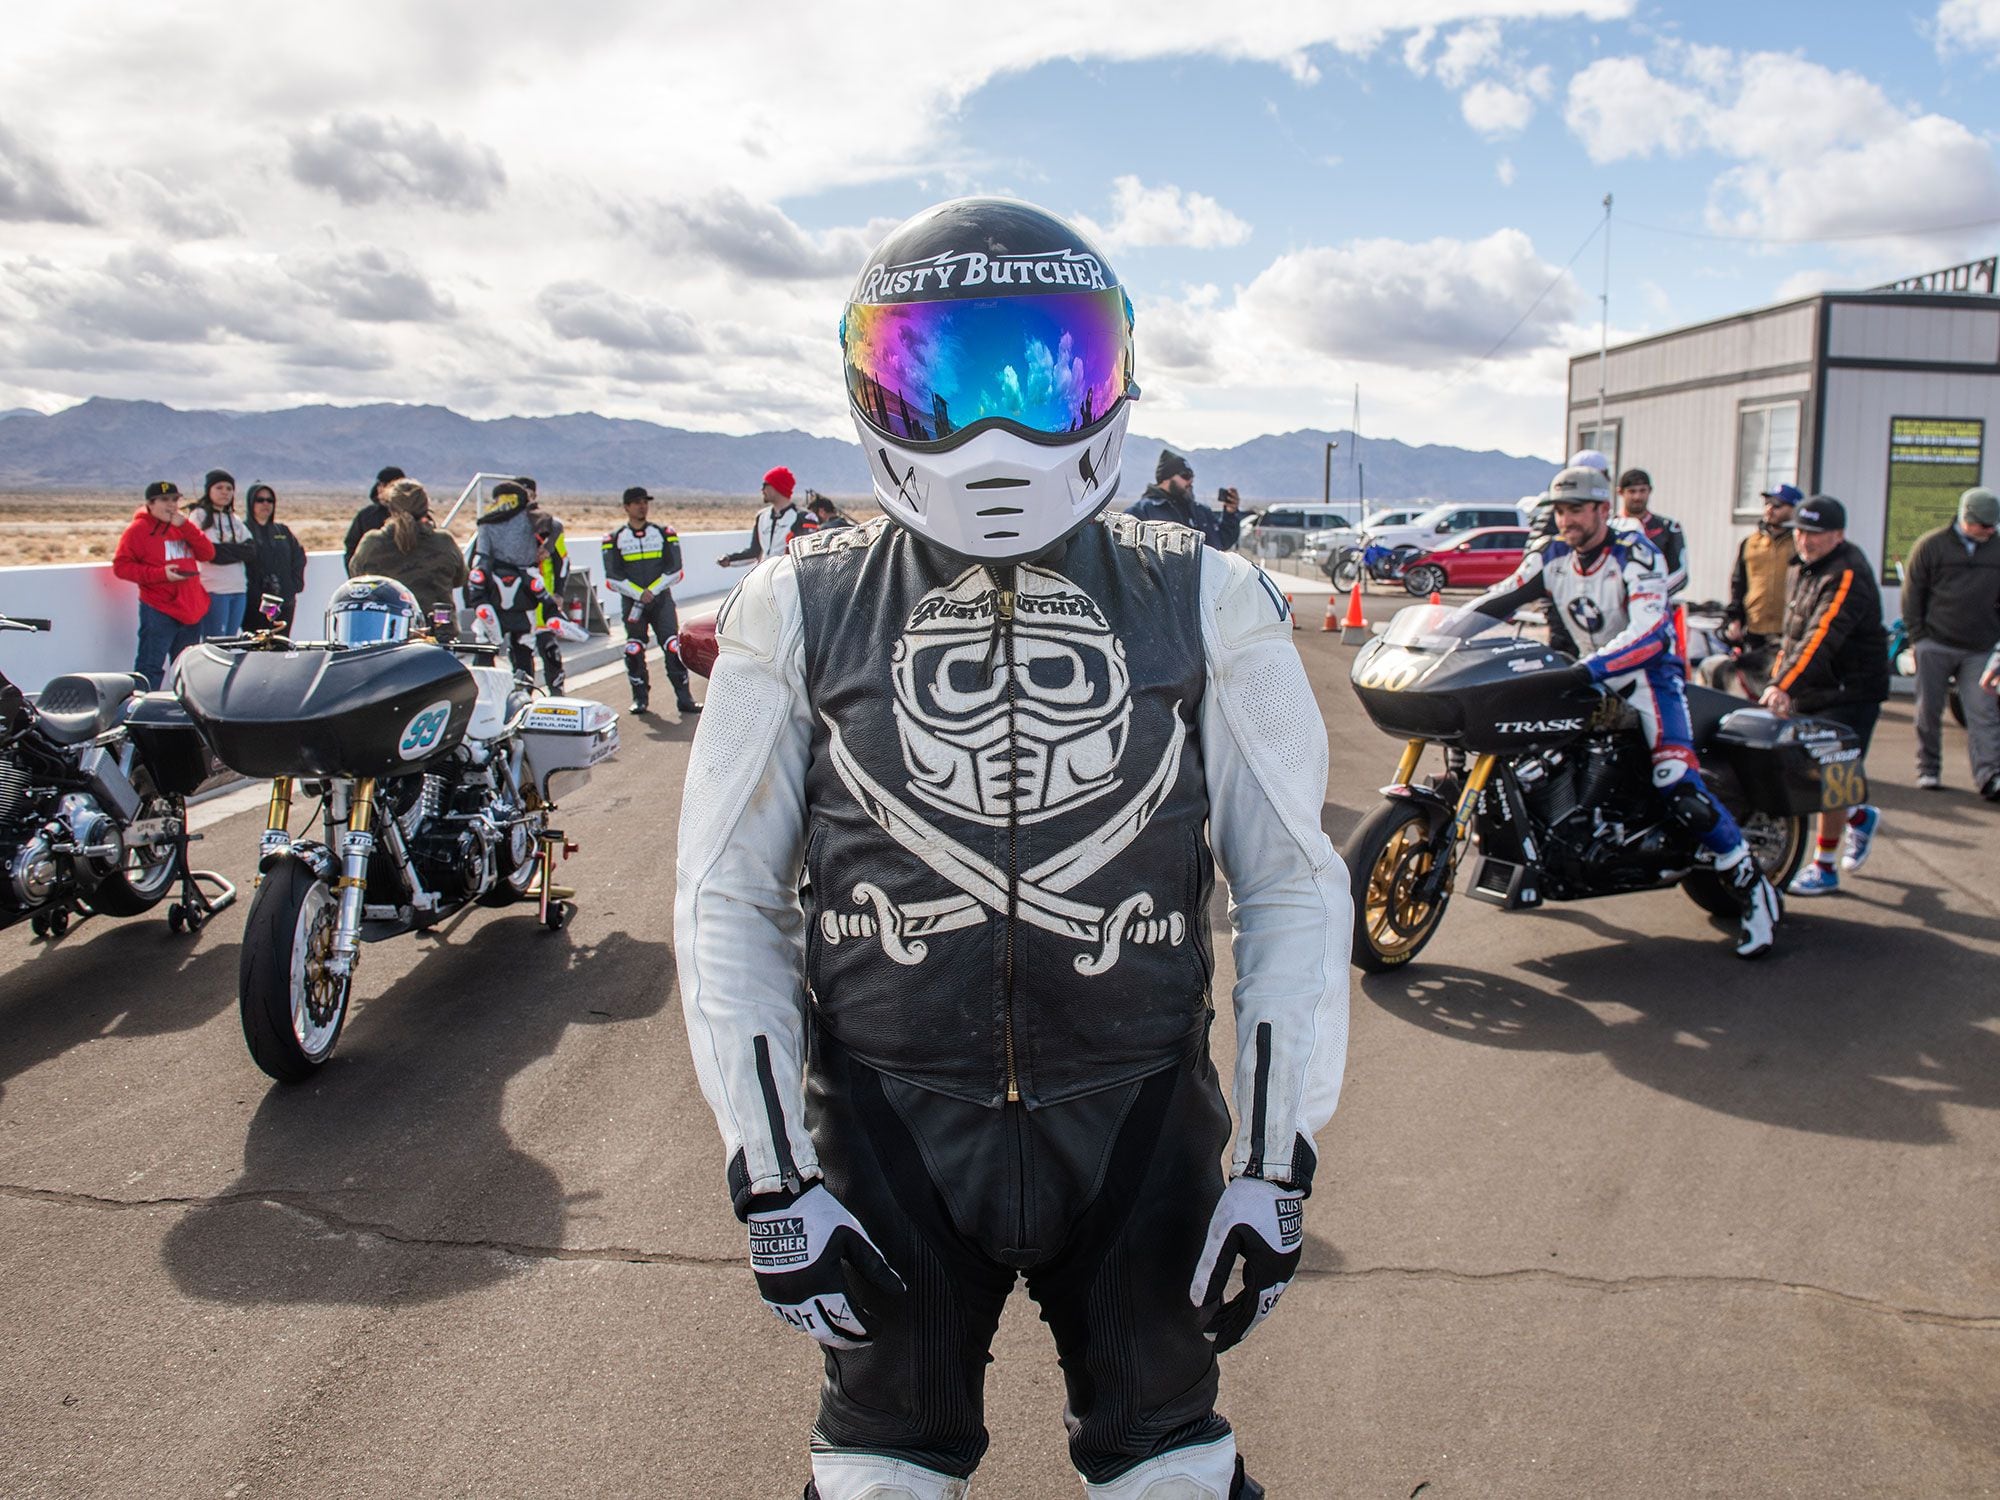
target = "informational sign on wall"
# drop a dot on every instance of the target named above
(1932, 461)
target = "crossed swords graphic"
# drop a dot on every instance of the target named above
(1039, 898)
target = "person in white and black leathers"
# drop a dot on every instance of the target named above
(642, 563)
(1009, 738)
(776, 525)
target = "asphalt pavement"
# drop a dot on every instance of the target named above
(1604, 1211)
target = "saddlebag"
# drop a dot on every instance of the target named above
(563, 738)
(168, 743)
(1791, 767)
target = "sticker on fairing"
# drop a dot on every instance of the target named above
(422, 733)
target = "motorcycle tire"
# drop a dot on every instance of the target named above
(1779, 856)
(1386, 853)
(292, 1016)
(1425, 580)
(128, 892)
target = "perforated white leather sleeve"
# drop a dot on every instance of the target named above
(739, 931)
(1264, 749)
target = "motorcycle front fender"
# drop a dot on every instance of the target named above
(314, 856)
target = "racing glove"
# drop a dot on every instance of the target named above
(1262, 1224)
(803, 1247)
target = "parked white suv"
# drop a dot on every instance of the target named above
(1442, 521)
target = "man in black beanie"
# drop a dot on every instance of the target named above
(1170, 497)
(371, 517)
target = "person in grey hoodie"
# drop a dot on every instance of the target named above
(227, 579)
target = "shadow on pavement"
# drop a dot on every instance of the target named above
(1869, 1035)
(111, 977)
(400, 1139)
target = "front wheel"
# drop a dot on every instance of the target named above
(1388, 860)
(1345, 570)
(293, 1005)
(1778, 844)
(1424, 580)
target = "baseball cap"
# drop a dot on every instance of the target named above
(637, 492)
(161, 489)
(1821, 513)
(1579, 485)
(1785, 494)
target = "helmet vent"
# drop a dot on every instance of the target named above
(1000, 510)
(997, 484)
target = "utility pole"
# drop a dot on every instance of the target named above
(1326, 489)
(1604, 332)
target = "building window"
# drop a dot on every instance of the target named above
(1767, 451)
(1604, 439)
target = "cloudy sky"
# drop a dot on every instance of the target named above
(655, 209)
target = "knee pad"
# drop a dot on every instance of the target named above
(635, 650)
(1689, 805)
(1205, 1472)
(869, 1476)
(672, 646)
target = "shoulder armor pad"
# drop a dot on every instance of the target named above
(752, 619)
(1165, 537)
(1248, 604)
(838, 539)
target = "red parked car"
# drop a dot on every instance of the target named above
(1473, 559)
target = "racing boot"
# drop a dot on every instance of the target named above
(636, 675)
(684, 701)
(868, 1476)
(1206, 1471)
(1762, 910)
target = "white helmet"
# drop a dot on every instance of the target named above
(988, 350)
(1590, 458)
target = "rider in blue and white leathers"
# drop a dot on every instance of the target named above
(1607, 590)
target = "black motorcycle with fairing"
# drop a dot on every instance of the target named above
(435, 778)
(95, 772)
(1549, 797)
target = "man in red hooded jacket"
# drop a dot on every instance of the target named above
(159, 551)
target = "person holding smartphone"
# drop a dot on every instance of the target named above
(1170, 497)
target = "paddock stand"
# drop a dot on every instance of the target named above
(191, 913)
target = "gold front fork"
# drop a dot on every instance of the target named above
(1468, 801)
(279, 818)
(1407, 766)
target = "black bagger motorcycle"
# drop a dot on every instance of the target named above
(1552, 797)
(94, 777)
(434, 776)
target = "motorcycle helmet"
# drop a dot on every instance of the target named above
(988, 355)
(367, 611)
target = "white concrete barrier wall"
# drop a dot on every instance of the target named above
(96, 616)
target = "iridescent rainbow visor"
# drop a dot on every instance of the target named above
(930, 375)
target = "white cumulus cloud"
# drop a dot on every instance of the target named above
(1973, 24)
(1166, 215)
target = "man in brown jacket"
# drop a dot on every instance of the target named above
(1759, 585)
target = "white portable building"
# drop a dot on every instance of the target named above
(1883, 399)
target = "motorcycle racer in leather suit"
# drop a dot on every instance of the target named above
(1607, 593)
(1008, 740)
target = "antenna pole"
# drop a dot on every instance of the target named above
(1604, 328)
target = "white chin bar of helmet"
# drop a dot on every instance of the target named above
(996, 497)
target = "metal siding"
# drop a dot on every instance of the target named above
(1859, 404)
(1944, 335)
(1687, 441)
(1781, 337)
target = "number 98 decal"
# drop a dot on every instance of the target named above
(422, 734)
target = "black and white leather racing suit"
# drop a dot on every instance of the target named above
(982, 1021)
(639, 560)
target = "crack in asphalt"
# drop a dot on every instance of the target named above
(307, 1206)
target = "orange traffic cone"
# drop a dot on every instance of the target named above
(1332, 621)
(1291, 611)
(1354, 628)
(1436, 597)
